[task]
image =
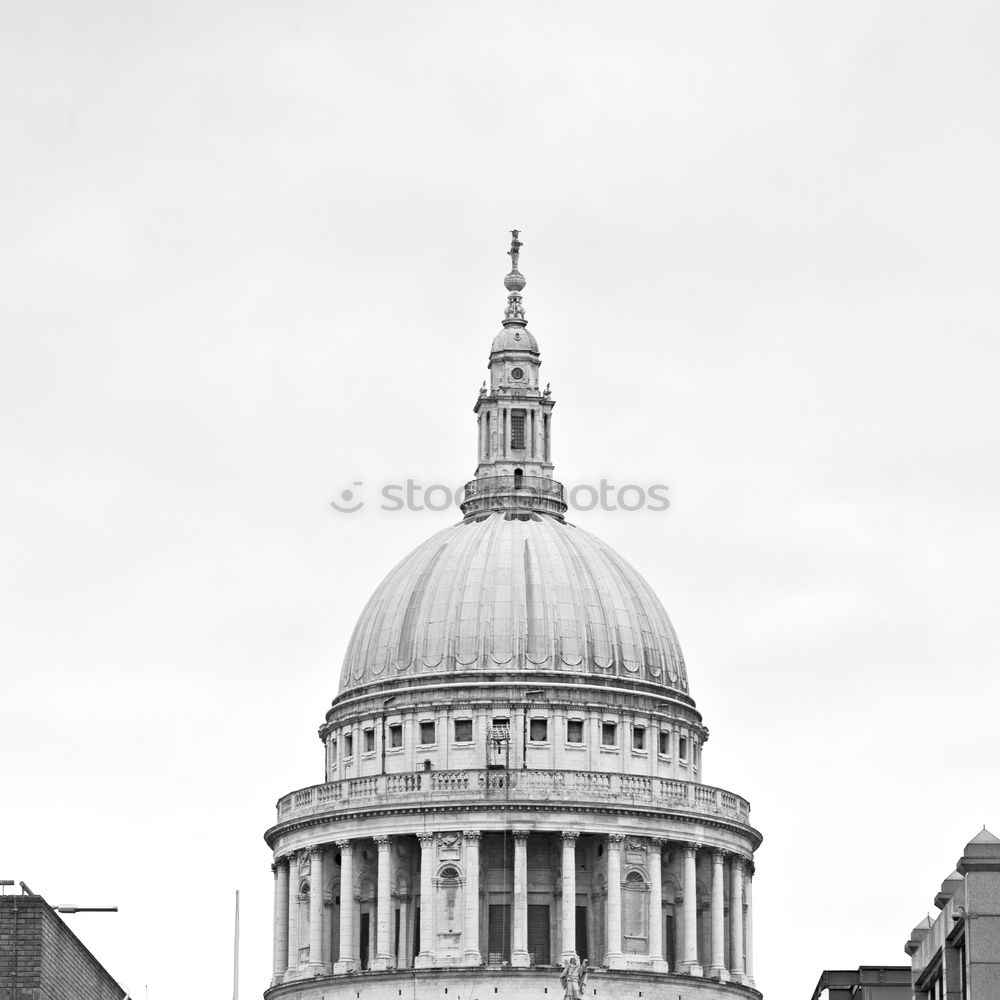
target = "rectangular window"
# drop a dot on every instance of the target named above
(638, 738)
(665, 744)
(501, 729)
(463, 730)
(683, 750)
(369, 741)
(333, 751)
(609, 734)
(396, 735)
(349, 745)
(574, 730)
(426, 734)
(539, 730)
(517, 428)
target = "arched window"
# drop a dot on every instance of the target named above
(449, 872)
(518, 478)
(634, 878)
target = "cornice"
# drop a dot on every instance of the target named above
(747, 832)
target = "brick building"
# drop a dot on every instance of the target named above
(42, 959)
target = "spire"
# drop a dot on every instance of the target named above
(514, 471)
(514, 282)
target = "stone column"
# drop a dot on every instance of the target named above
(717, 969)
(690, 962)
(613, 957)
(519, 955)
(736, 919)
(346, 961)
(316, 966)
(403, 947)
(472, 955)
(656, 905)
(280, 869)
(383, 943)
(568, 895)
(292, 965)
(748, 943)
(425, 960)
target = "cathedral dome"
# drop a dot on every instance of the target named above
(525, 597)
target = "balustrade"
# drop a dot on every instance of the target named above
(520, 786)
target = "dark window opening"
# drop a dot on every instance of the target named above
(369, 741)
(539, 730)
(463, 730)
(517, 428)
(333, 751)
(574, 731)
(609, 734)
(349, 745)
(665, 744)
(396, 736)
(426, 734)
(518, 478)
(638, 738)
(683, 751)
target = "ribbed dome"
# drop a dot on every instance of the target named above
(503, 595)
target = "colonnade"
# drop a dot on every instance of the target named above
(725, 967)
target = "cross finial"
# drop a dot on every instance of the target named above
(515, 246)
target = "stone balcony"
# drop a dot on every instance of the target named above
(513, 493)
(480, 785)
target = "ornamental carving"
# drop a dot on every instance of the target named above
(426, 840)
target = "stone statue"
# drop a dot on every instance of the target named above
(573, 979)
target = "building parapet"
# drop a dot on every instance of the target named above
(488, 785)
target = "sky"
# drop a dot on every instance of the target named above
(252, 255)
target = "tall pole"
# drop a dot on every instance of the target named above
(236, 950)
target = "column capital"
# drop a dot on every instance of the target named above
(315, 850)
(657, 842)
(344, 844)
(690, 850)
(736, 862)
(520, 834)
(615, 840)
(473, 836)
(382, 841)
(426, 840)
(569, 836)
(274, 868)
(719, 855)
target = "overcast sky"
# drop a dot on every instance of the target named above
(253, 253)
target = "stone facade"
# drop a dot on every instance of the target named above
(513, 765)
(956, 955)
(42, 959)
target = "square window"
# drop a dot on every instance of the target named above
(609, 734)
(463, 730)
(683, 751)
(426, 734)
(369, 741)
(665, 744)
(349, 745)
(638, 738)
(574, 730)
(396, 735)
(539, 730)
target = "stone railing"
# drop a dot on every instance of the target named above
(481, 785)
(525, 493)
